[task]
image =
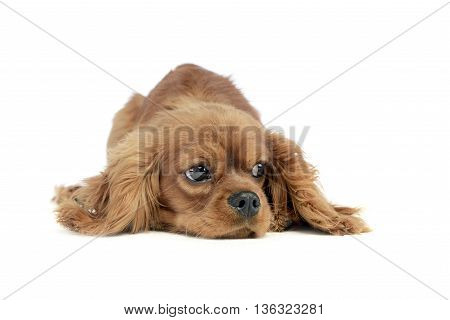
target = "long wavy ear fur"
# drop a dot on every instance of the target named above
(295, 196)
(123, 198)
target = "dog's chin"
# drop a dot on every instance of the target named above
(245, 229)
(242, 232)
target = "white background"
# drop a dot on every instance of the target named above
(379, 136)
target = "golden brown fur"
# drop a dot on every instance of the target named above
(195, 116)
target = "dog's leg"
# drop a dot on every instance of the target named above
(73, 209)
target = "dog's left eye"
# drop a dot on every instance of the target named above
(198, 174)
(258, 170)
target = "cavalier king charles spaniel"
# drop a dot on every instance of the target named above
(193, 157)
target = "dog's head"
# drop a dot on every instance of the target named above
(207, 170)
(213, 171)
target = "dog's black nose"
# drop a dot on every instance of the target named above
(245, 203)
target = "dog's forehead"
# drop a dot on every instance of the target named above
(238, 145)
(213, 132)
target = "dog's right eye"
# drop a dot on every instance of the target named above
(198, 174)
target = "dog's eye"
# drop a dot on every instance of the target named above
(198, 174)
(258, 170)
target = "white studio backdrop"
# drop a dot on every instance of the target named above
(378, 117)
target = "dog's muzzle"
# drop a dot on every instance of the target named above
(245, 203)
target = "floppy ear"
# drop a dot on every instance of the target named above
(123, 198)
(295, 196)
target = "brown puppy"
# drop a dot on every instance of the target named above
(193, 157)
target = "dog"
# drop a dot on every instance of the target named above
(193, 157)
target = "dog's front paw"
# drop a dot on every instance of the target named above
(280, 222)
(62, 193)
